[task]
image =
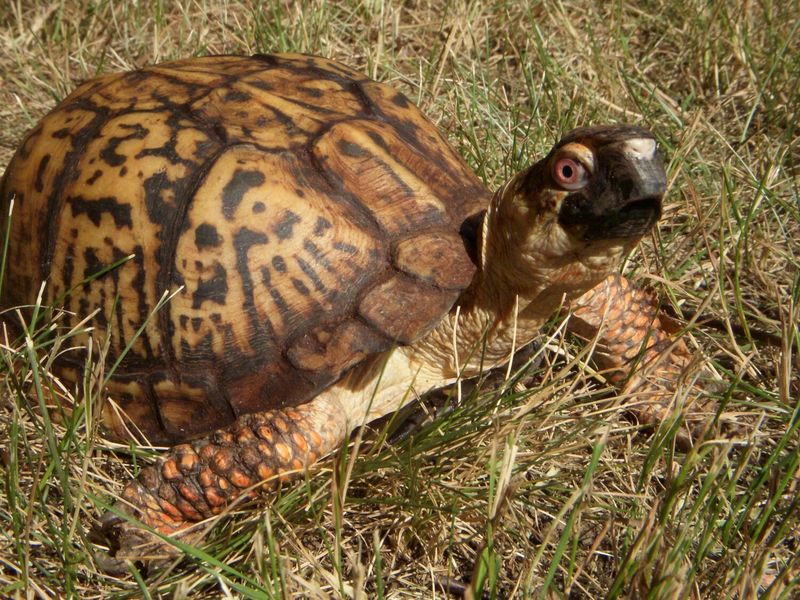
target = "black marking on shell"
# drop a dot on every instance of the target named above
(345, 247)
(95, 209)
(358, 91)
(142, 306)
(39, 184)
(321, 225)
(258, 207)
(214, 289)
(310, 91)
(110, 155)
(69, 265)
(173, 218)
(55, 200)
(300, 286)
(243, 240)
(206, 236)
(95, 176)
(280, 302)
(351, 149)
(279, 264)
(93, 264)
(238, 185)
(236, 96)
(312, 274)
(283, 228)
(266, 279)
(400, 100)
(169, 151)
(317, 254)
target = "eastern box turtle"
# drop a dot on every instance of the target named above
(326, 250)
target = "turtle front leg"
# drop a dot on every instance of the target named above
(636, 350)
(200, 479)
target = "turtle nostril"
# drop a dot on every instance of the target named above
(642, 205)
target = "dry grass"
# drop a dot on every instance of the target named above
(544, 481)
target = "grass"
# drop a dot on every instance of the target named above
(537, 488)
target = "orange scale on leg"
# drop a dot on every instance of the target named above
(206, 477)
(239, 479)
(264, 472)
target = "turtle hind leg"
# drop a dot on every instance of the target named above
(200, 479)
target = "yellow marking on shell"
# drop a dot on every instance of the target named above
(149, 92)
(297, 253)
(257, 116)
(107, 206)
(398, 199)
(31, 177)
(445, 175)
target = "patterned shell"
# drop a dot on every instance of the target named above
(309, 216)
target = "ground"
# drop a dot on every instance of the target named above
(539, 483)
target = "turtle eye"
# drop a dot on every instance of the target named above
(569, 174)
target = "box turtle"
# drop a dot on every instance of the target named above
(327, 257)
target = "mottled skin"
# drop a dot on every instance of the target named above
(336, 257)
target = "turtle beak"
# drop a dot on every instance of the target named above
(624, 194)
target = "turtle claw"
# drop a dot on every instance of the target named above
(129, 546)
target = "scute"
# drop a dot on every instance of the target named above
(303, 216)
(405, 309)
(438, 258)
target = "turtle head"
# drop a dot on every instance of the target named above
(597, 183)
(572, 216)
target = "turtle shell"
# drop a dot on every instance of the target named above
(302, 216)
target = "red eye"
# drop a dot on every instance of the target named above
(569, 174)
